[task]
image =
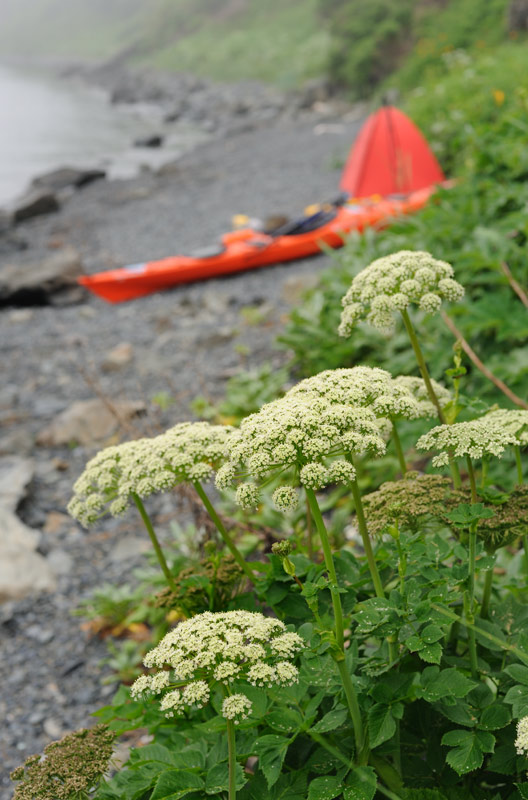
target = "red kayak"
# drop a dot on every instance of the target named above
(247, 249)
(390, 168)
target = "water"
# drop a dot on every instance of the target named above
(47, 122)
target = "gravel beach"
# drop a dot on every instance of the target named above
(184, 342)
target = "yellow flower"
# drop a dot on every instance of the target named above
(498, 96)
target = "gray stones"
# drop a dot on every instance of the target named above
(22, 570)
(65, 177)
(15, 475)
(29, 282)
(88, 422)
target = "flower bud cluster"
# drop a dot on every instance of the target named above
(189, 451)
(392, 283)
(219, 647)
(475, 439)
(408, 501)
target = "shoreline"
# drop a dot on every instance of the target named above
(179, 343)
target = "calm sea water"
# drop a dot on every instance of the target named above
(47, 122)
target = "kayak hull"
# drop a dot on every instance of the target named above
(249, 249)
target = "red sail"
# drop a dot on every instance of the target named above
(389, 156)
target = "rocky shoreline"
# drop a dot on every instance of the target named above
(60, 346)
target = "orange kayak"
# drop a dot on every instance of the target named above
(248, 249)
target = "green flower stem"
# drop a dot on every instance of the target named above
(330, 566)
(362, 525)
(154, 539)
(429, 386)
(231, 748)
(517, 451)
(486, 595)
(470, 593)
(484, 473)
(348, 686)
(233, 549)
(510, 648)
(309, 531)
(398, 447)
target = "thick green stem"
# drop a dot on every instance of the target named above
(518, 462)
(486, 595)
(484, 473)
(525, 553)
(330, 567)
(309, 531)
(365, 538)
(422, 366)
(470, 594)
(355, 713)
(233, 549)
(398, 448)
(154, 539)
(348, 686)
(231, 748)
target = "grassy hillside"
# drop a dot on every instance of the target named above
(283, 43)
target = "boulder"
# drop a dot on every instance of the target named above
(33, 204)
(88, 422)
(15, 476)
(64, 177)
(35, 281)
(22, 570)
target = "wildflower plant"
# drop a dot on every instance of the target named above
(228, 649)
(128, 473)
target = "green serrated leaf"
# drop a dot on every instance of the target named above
(517, 697)
(432, 653)
(360, 784)
(286, 720)
(271, 750)
(518, 672)
(217, 779)
(381, 724)
(175, 783)
(325, 788)
(468, 749)
(331, 720)
(494, 717)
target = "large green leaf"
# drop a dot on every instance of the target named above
(271, 750)
(360, 784)
(325, 788)
(175, 783)
(494, 717)
(332, 720)
(381, 724)
(517, 697)
(468, 749)
(217, 779)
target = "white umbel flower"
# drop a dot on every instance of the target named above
(521, 742)
(190, 451)
(475, 439)
(237, 707)
(417, 388)
(219, 648)
(514, 420)
(391, 283)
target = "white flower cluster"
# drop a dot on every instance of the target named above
(393, 282)
(309, 436)
(188, 452)
(521, 742)
(222, 647)
(475, 439)
(418, 389)
(513, 420)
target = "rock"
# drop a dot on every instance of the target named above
(60, 562)
(39, 634)
(15, 475)
(33, 204)
(295, 286)
(156, 140)
(19, 441)
(121, 355)
(53, 728)
(55, 522)
(317, 90)
(64, 177)
(88, 422)
(34, 282)
(129, 547)
(22, 570)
